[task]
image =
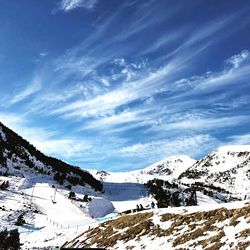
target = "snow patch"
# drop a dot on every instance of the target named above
(2, 135)
(100, 207)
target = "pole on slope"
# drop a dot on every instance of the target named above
(55, 195)
(32, 194)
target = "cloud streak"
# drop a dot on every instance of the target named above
(68, 5)
(161, 149)
(31, 89)
(147, 78)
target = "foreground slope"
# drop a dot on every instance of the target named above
(205, 227)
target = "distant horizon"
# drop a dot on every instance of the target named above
(118, 85)
(127, 169)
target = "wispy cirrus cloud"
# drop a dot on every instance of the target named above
(159, 149)
(46, 140)
(199, 122)
(241, 139)
(68, 5)
(104, 105)
(237, 60)
(142, 76)
(31, 89)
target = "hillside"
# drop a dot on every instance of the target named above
(209, 227)
(226, 170)
(50, 217)
(19, 157)
(39, 188)
(168, 169)
(172, 166)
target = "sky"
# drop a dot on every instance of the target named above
(120, 84)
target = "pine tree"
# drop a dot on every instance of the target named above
(72, 195)
(10, 240)
(20, 220)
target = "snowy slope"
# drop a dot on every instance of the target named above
(172, 166)
(52, 218)
(18, 157)
(227, 167)
(47, 223)
(210, 226)
(168, 169)
(50, 224)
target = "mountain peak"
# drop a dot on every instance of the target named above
(172, 166)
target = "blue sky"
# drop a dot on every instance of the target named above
(118, 85)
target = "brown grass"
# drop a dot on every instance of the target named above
(244, 233)
(215, 246)
(193, 235)
(243, 245)
(184, 228)
(135, 225)
(213, 239)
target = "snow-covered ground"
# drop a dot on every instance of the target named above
(48, 223)
(209, 226)
(58, 218)
(52, 218)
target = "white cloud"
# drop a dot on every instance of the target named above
(105, 104)
(63, 148)
(108, 102)
(160, 149)
(43, 54)
(238, 59)
(20, 124)
(198, 123)
(121, 119)
(239, 139)
(105, 82)
(12, 121)
(34, 87)
(45, 140)
(67, 5)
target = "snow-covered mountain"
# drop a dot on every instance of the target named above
(39, 190)
(167, 169)
(18, 157)
(227, 168)
(172, 166)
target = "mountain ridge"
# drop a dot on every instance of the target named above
(18, 156)
(227, 167)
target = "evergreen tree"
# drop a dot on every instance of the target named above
(72, 195)
(9, 240)
(5, 185)
(20, 220)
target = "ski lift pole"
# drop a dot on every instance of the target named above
(32, 194)
(55, 195)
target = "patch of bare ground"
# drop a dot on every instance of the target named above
(130, 247)
(243, 245)
(196, 229)
(244, 233)
(133, 226)
(209, 219)
(214, 240)
(215, 246)
(193, 235)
